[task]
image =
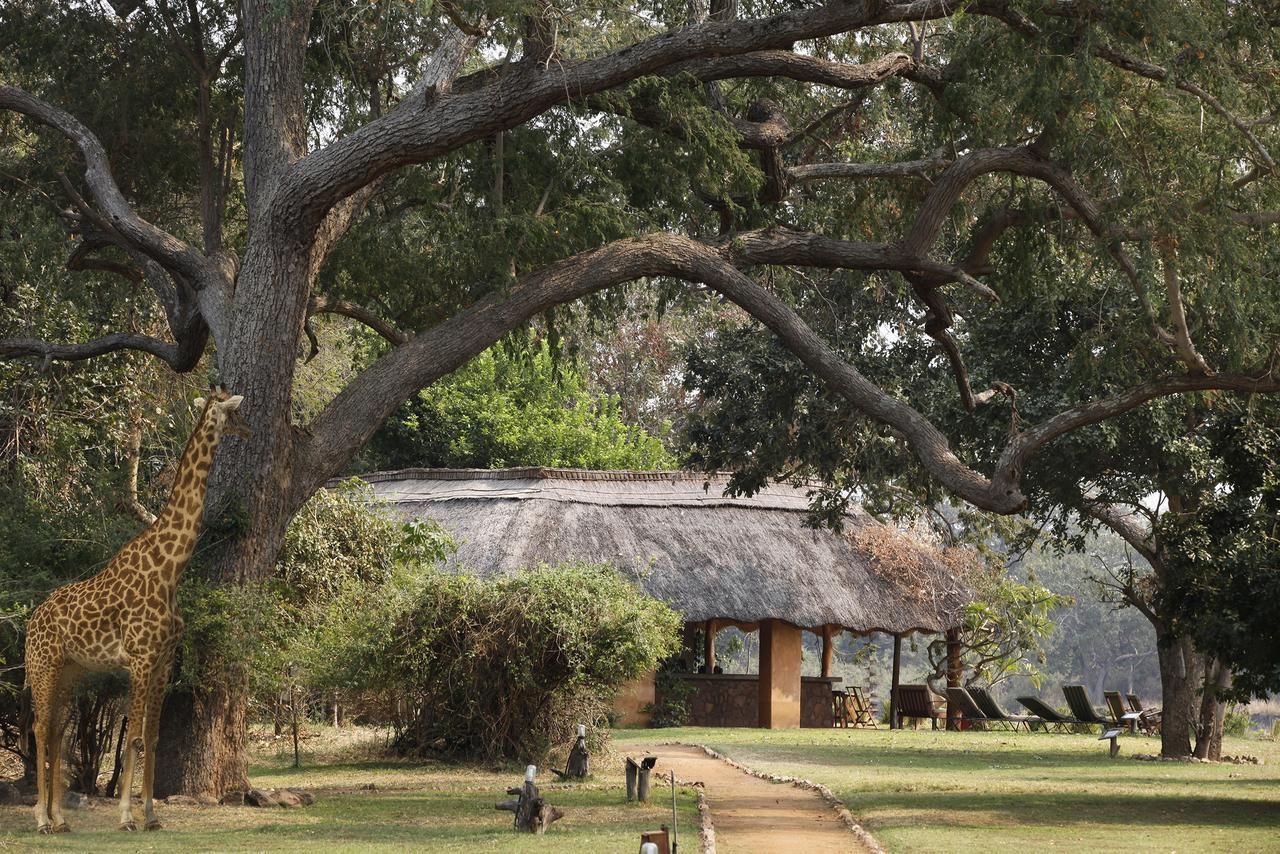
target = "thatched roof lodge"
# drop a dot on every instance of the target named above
(750, 562)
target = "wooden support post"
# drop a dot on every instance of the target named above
(709, 645)
(895, 716)
(955, 672)
(828, 649)
(688, 649)
(780, 657)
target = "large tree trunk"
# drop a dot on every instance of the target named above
(1181, 673)
(1212, 711)
(202, 743)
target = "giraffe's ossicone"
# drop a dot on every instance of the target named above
(123, 618)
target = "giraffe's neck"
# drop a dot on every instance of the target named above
(182, 514)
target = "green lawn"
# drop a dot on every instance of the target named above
(432, 807)
(914, 790)
(923, 791)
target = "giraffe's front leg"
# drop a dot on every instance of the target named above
(133, 744)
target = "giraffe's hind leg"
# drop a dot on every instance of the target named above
(42, 696)
(58, 719)
(151, 737)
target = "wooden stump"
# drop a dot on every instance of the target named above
(532, 813)
(638, 777)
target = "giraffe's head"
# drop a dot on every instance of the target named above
(221, 411)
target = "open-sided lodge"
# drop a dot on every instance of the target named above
(748, 562)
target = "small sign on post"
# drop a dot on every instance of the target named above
(1114, 735)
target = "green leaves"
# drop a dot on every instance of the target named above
(1224, 549)
(507, 408)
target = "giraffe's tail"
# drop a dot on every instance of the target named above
(26, 720)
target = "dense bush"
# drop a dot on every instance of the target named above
(499, 668)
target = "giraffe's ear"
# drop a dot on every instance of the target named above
(233, 402)
(198, 404)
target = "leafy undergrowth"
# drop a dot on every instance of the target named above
(923, 791)
(413, 806)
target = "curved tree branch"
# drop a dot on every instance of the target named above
(11, 348)
(903, 169)
(328, 305)
(155, 242)
(352, 417)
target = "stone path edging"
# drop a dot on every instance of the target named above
(826, 794)
(706, 829)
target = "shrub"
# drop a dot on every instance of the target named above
(500, 668)
(671, 707)
(1237, 722)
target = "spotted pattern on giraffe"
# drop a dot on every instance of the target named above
(124, 617)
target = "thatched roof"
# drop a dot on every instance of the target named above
(706, 554)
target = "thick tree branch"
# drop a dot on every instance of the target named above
(133, 454)
(353, 416)
(903, 169)
(11, 348)
(1127, 525)
(436, 123)
(1027, 443)
(1177, 311)
(797, 66)
(168, 250)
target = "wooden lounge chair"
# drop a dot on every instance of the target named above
(994, 711)
(1150, 720)
(969, 709)
(914, 701)
(864, 714)
(1051, 718)
(1122, 716)
(1083, 710)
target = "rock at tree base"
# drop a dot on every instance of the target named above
(306, 797)
(284, 798)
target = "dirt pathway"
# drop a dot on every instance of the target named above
(753, 816)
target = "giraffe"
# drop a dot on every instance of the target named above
(124, 617)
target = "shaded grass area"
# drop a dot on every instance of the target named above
(425, 807)
(919, 791)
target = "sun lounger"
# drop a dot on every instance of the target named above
(1122, 716)
(960, 699)
(994, 711)
(1081, 707)
(1051, 718)
(914, 701)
